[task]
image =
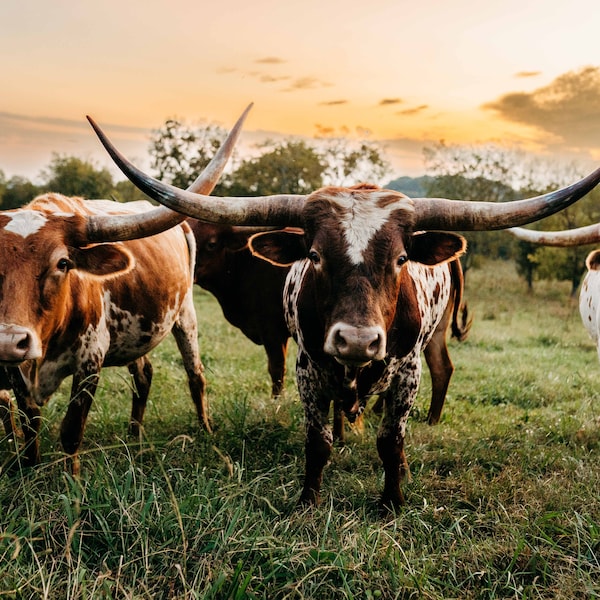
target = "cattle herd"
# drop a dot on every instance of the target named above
(363, 279)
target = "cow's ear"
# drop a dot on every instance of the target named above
(280, 248)
(102, 260)
(592, 262)
(434, 247)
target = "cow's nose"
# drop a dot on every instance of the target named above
(18, 344)
(355, 345)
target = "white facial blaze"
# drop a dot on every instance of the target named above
(362, 218)
(25, 222)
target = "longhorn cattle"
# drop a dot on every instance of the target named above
(589, 294)
(71, 304)
(250, 292)
(365, 292)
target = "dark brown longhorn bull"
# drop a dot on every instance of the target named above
(72, 303)
(248, 289)
(365, 293)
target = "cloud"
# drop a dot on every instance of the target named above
(568, 109)
(270, 60)
(333, 103)
(388, 101)
(526, 74)
(306, 83)
(266, 78)
(407, 112)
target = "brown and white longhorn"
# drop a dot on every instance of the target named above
(87, 284)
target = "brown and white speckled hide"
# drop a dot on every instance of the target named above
(362, 306)
(589, 298)
(70, 309)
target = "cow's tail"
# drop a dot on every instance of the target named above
(461, 320)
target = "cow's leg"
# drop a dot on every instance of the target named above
(276, 352)
(339, 431)
(441, 369)
(185, 331)
(319, 439)
(31, 420)
(390, 437)
(72, 427)
(7, 414)
(29, 415)
(141, 370)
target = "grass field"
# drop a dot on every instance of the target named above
(504, 500)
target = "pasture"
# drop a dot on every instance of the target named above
(504, 500)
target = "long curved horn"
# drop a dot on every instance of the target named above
(590, 234)
(279, 210)
(112, 228)
(461, 215)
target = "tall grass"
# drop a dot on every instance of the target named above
(503, 501)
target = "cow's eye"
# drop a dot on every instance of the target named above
(64, 265)
(401, 260)
(314, 257)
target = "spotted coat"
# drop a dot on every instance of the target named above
(363, 299)
(589, 298)
(70, 309)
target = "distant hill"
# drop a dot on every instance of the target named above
(411, 186)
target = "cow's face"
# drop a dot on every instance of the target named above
(41, 266)
(214, 247)
(358, 241)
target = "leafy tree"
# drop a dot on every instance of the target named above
(288, 167)
(17, 192)
(350, 160)
(180, 151)
(2, 185)
(73, 176)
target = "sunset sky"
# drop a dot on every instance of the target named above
(521, 72)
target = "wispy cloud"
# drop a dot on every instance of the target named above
(568, 108)
(389, 101)
(333, 102)
(306, 83)
(266, 78)
(527, 74)
(270, 60)
(415, 110)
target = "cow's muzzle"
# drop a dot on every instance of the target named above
(355, 346)
(18, 344)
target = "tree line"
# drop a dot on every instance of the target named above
(178, 152)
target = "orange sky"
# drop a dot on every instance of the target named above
(524, 73)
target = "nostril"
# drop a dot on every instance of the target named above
(340, 340)
(23, 343)
(374, 346)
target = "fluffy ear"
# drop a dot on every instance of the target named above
(434, 247)
(280, 248)
(102, 260)
(592, 262)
